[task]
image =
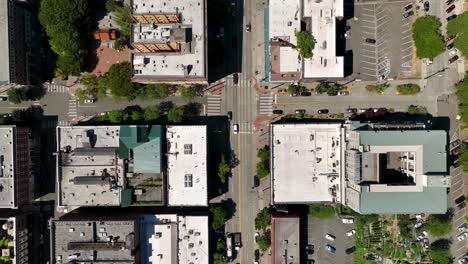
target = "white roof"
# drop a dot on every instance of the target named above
(284, 23)
(306, 160)
(4, 43)
(7, 170)
(324, 63)
(187, 170)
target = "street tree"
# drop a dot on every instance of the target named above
(188, 93)
(151, 113)
(219, 215)
(264, 242)
(137, 115)
(117, 116)
(218, 258)
(118, 81)
(438, 225)
(223, 169)
(18, 95)
(176, 114)
(263, 219)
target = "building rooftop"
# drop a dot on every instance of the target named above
(94, 241)
(324, 63)
(170, 40)
(174, 239)
(285, 240)
(7, 168)
(187, 165)
(4, 43)
(88, 171)
(306, 158)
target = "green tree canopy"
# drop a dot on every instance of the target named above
(176, 114)
(305, 43)
(91, 82)
(264, 241)
(263, 165)
(117, 116)
(331, 89)
(427, 37)
(438, 225)
(137, 115)
(295, 89)
(118, 81)
(408, 89)
(412, 109)
(188, 93)
(151, 113)
(380, 88)
(218, 258)
(439, 252)
(321, 211)
(154, 91)
(263, 219)
(459, 27)
(463, 157)
(123, 19)
(462, 94)
(18, 95)
(65, 23)
(219, 215)
(223, 169)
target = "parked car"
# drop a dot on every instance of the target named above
(455, 144)
(310, 261)
(350, 250)
(429, 61)
(408, 14)
(453, 59)
(370, 41)
(229, 115)
(426, 6)
(256, 236)
(450, 9)
(300, 111)
(278, 112)
(351, 232)
(330, 237)
(448, 2)
(347, 220)
(462, 227)
(462, 236)
(323, 111)
(309, 247)
(453, 52)
(418, 224)
(235, 129)
(408, 7)
(451, 17)
(330, 249)
(235, 78)
(463, 259)
(257, 256)
(351, 110)
(248, 28)
(342, 93)
(426, 243)
(450, 46)
(89, 101)
(306, 94)
(460, 199)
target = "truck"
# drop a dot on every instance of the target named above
(237, 240)
(229, 247)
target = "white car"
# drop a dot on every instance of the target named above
(429, 61)
(462, 228)
(462, 259)
(347, 220)
(89, 101)
(330, 237)
(462, 236)
(453, 52)
(343, 93)
(418, 225)
(351, 232)
(235, 129)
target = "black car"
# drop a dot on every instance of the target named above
(448, 2)
(370, 41)
(229, 115)
(257, 255)
(460, 199)
(450, 46)
(451, 17)
(310, 261)
(426, 6)
(278, 112)
(235, 78)
(408, 7)
(306, 94)
(256, 183)
(450, 9)
(453, 59)
(309, 247)
(323, 111)
(350, 250)
(408, 14)
(310, 251)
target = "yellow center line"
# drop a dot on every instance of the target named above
(239, 181)
(14, 107)
(297, 103)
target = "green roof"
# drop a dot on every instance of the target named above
(434, 144)
(432, 200)
(145, 142)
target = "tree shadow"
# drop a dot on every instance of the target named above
(165, 106)
(35, 92)
(193, 108)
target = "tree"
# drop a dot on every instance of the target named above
(459, 27)
(463, 157)
(151, 114)
(118, 81)
(113, 5)
(321, 211)
(295, 89)
(408, 89)
(406, 226)
(91, 82)
(263, 153)
(427, 37)
(263, 219)
(154, 91)
(412, 109)
(330, 89)
(137, 115)
(123, 19)
(220, 245)
(176, 114)
(80, 94)
(188, 93)
(299, 115)
(439, 252)
(462, 94)
(66, 24)
(219, 215)
(305, 43)
(438, 225)
(218, 259)
(263, 165)
(223, 169)
(18, 95)
(117, 116)
(380, 88)
(264, 242)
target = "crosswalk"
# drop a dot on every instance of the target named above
(54, 123)
(213, 105)
(36, 103)
(265, 104)
(56, 88)
(72, 107)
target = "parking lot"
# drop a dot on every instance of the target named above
(316, 231)
(391, 54)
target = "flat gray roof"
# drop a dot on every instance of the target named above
(4, 43)
(285, 241)
(7, 168)
(93, 241)
(89, 152)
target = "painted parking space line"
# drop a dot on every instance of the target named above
(370, 22)
(370, 57)
(373, 28)
(368, 74)
(406, 43)
(371, 69)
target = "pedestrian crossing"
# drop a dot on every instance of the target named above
(246, 128)
(265, 104)
(36, 103)
(54, 123)
(72, 107)
(213, 105)
(56, 88)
